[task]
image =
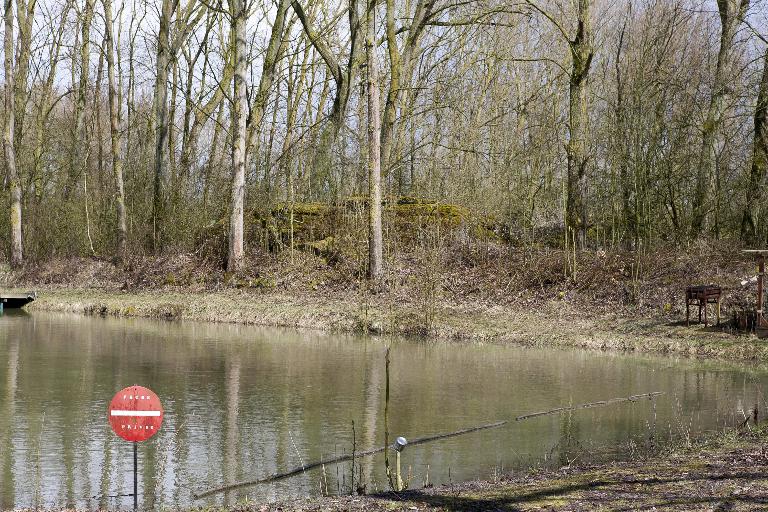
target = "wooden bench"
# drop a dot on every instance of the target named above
(701, 296)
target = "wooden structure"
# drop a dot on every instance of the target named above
(760, 321)
(16, 300)
(701, 296)
(745, 320)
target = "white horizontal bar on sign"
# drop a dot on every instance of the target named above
(118, 412)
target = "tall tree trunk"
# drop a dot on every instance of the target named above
(44, 103)
(25, 13)
(160, 124)
(343, 77)
(731, 14)
(14, 181)
(267, 159)
(130, 104)
(189, 104)
(581, 53)
(80, 147)
(172, 136)
(213, 152)
(626, 181)
(375, 237)
(115, 138)
(759, 160)
(401, 69)
(294, 91)
(96, 118)
(204, 111)
(393, 94)
(236, 257)
(275, 49)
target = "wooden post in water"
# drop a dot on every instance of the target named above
(399, 484)
(399, 445)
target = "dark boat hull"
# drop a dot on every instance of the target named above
(17, 300)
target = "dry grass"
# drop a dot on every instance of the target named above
(480, 292)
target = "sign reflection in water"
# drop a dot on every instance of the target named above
(243, 402)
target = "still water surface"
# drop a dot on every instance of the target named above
(243, 402)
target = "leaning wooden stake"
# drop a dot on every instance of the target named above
(386, 418)
(343, 458)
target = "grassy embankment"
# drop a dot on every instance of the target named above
(482, 293)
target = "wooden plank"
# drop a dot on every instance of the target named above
(27, 295)
(17, 300)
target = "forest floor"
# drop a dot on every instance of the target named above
(483, 293)
(727, 471)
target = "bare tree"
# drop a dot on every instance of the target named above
(759, 160)
(401, 63)
(161, 119)
(239, 14)
(343, 77)
(80, 144)
(628, 196)
(25, 12)
(581, 51)
(12, 173)
(474, 100)
(198, 111)
(242, 118)
(273, 54)
(731, 15)
(115, 100)
(375, 236)
(167, 47)
(44, 103)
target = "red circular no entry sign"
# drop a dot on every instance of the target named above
(135, 413)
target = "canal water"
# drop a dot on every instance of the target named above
(245, 402)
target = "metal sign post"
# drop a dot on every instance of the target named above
(135, 475)
(135, 414)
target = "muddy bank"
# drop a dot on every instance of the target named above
(725, 472)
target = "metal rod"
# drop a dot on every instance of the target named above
(135, 476)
